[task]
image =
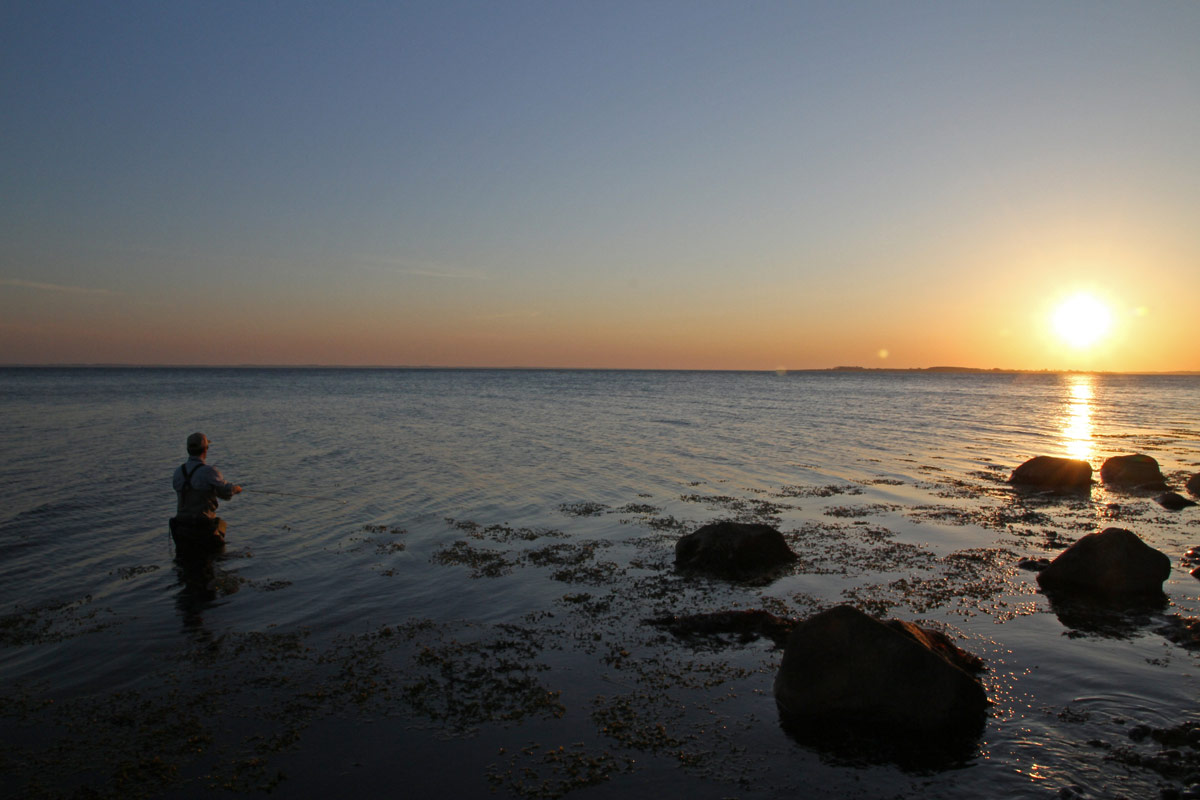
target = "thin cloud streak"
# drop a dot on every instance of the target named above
(424, 269)
(54, 287)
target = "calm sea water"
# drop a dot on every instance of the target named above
(437, 580)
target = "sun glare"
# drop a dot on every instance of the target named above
(1081, 320)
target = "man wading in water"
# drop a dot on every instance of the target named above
(196, 528)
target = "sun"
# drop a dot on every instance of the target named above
(1081, 320)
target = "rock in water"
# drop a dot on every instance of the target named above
(1135, 471)
(844, 668)
(1052, 472)
(1114, 563)
(746, 624)
(734, 550)
(1193, 485)
(1173, 501)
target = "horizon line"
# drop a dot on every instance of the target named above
(514, 368)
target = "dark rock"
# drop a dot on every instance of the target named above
(1193, 485)
(1054, 473)
(733, 550)
(1139, 732)
(1033, 564)
(1114, 563)
(1173, 501)
(747, 625)
(1132, 472)
(844, 668)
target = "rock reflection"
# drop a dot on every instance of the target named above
(866, 744)
(1086, 614)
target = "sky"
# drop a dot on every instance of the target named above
(651, 184)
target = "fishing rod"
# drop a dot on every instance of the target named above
(294, 494)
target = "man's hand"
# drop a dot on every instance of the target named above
(237, 489)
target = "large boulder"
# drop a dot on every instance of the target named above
(844, 668)
(1113, 563)
(733, 550)
(1135, 471)
(1053, 473)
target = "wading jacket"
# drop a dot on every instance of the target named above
(197, 486)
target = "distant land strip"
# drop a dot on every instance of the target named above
(779, 370)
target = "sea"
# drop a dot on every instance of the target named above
(461, 582)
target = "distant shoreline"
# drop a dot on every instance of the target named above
(433, 367)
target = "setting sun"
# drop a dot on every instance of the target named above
(1081, 320)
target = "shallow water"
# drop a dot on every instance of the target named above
(460, 591)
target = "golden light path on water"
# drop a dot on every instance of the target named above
(1077, 417)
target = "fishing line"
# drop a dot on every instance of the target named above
(294, 494)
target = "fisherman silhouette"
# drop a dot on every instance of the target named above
(196, 528)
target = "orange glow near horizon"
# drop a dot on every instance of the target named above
(984, 323)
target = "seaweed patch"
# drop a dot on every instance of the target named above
(463, 684)
(53, 622)
(125, 573)
(583, 509)
(551, 772)
(484, 563)
(819, 491)
(966, 582)
(859, 512)
(741, 509)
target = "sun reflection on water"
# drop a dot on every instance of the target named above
(1077, 417)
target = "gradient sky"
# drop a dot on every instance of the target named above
(721, 185)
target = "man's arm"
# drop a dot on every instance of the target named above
(224, 488)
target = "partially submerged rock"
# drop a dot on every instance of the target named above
(844, 668)
(1114, 564)
(747, 625)
(1135, 471)
(733, 550)
(1173, 501)
(1053, 473)
(1193, 485)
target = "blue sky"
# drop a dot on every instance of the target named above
(728, 185)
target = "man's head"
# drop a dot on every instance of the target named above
(197, 444)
